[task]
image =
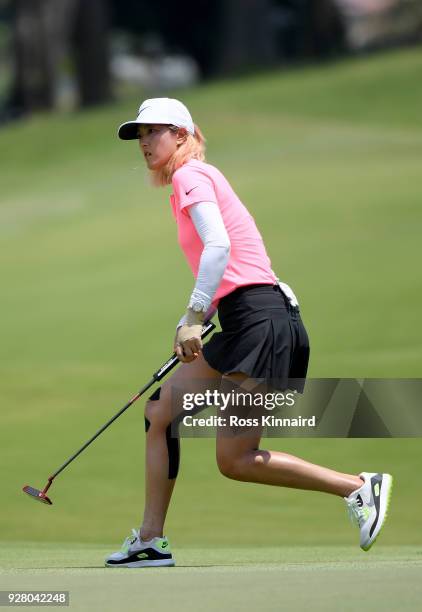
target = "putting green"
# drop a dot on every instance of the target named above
(210, 579)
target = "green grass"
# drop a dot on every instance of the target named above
(269, 579)
(328, 161)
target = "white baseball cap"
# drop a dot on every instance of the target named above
(158, 110)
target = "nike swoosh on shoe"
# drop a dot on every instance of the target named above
(376, 482)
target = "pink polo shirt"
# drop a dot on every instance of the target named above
(197, 181)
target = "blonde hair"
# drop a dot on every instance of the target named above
(192, 148)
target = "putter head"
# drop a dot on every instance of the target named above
(37, 494)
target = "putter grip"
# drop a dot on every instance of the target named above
(170, 363)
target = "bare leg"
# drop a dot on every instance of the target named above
(158, 486)
(194, 377)
(239, 458)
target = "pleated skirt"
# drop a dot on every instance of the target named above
(262, 336)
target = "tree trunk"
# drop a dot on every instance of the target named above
(90, 39)
(43, 30)
(33, 88)
(247, 36)
(40, 33)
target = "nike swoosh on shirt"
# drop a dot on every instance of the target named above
(188, 192)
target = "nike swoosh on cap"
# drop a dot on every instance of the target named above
(144, 109)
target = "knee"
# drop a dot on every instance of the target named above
(230, 467)
(157, 413)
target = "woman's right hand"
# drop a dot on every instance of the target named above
(188, 343)
(178, 349)
(188, 340)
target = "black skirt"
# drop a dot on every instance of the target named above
(262, 336)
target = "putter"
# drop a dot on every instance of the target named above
(158, 375)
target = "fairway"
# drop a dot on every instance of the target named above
(209, 579)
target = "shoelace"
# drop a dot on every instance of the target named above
(129, 541)
(357, 514)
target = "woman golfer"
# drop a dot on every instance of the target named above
(262, 338)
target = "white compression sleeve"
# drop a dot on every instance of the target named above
(209, 224)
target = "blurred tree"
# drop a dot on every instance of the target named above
(247, 37)
(33, 87)
(228, 36)
(195, 28)
(325, 31)
(90, 41)
(223, 36)
(43, 32)
(192, 27)
(308, 28)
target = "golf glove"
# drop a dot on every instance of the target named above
(188, 343)
(208, 316)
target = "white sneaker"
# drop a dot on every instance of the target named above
(137, 553)
(368, 506)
